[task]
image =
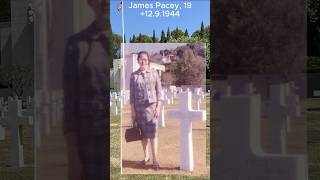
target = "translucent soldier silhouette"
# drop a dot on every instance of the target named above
(86, 114)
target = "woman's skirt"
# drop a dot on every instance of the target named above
(145, 117)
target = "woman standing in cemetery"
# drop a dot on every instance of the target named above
(145, 95)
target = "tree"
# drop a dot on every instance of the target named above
(116, 45)
(197, 38)
(177, 33)
(190, 68)
(168, 34)
(154, 39)
(124, 39)
(133, 38)
(168, 78)
(163, 37)
(18, 78)
(313, 23)
(186, 33)
(260, 37)
(202, 29)
(142, 38)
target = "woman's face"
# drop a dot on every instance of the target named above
(143, 61)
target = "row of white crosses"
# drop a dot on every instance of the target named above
(280, 108)
(115, 99)
(242, 156)
(48, 110)
(42, 115)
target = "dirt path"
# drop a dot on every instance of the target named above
(169, 151)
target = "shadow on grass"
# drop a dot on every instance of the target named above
(138, 165)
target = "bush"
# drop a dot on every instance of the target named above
(17, 78)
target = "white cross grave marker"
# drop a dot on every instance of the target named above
(2, 130)
(170, 95)
(164, 102)
(186, 115)
(121, 98)
(45, 112)
(114, 108)
(197, 97)
(2, 110)
(242, 156)
(14, 121)
(174, 90)
(279, 118)
(292, 100)
(30, 112)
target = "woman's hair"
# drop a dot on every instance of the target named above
(143, 52)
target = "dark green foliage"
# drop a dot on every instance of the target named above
(116, 45)
(17, 78)
(186, 33)
(168, 34)
(177, 33)
(154, 39)
(259, 37)
(190, 69)
(313, 20)
(163, 37)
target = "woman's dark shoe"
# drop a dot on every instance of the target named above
(155, 166)
(144, 162)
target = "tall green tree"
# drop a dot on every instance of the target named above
(154, 39)
(202, 29)
(142, 38)
(313, 23)
(186, 33)
(168, 34)
(116, 43)
(163, 37)
(17, 78)
(133, 39)
(177, 33)
(260, 37)
(190, 68)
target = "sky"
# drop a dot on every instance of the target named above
(134, 23)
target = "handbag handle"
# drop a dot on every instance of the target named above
(134, 124)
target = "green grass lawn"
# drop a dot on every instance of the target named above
(11, 173)
(313, 142)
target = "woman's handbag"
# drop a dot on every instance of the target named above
(133, 134)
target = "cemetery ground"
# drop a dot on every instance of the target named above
(26, 173)
(12, 173)
(304, 137)
(313, 138)
(169, 168)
